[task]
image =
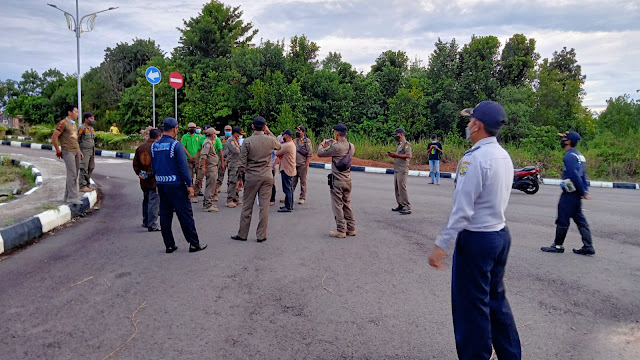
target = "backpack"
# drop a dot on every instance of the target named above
(345, 163)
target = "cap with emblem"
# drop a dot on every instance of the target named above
(259, 121)
(287, 132)
(237, 130)
(341, 128)
(211, 131)
(169, 123)
(399, 131)
(490, 113)
(572, 136)
(302, 128)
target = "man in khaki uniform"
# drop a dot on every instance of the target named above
(401, 171)
(227, 134)
(67, 132)
(86, 138)
(304, 151)
(255, 170)
(233, 150)
(209, 155)
(338, 149)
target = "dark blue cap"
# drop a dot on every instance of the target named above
(169, 123)
(287, 132)
(490, 113)
(572, 136)
(341, 128)
(399, 131)
(259, 121)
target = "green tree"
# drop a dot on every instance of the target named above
(409, 110)
(478, 70)
(621, 116)
(518, 58)
(442, 75)
(389, 70)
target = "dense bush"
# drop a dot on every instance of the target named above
(41, 133)
(109, 141)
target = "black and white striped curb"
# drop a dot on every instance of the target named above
(36, 173)
(367, 169)
(26, 230)
(104, 153)
(19, 137)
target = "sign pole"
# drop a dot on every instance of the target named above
(176, 90)
(153, 87)
(176, 81)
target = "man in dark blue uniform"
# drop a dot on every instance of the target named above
(175, 188)
(477, 231)
(574, 189)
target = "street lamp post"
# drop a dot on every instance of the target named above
(77, 28)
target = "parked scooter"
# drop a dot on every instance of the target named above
(527, 179)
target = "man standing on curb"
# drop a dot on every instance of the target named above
(211, 152)
(574, 189)
(233, 154)
(287, 156)
(481, 313)
(341, 153)
(67, 132)
(86, 138)
(175, 186)
(142, 168)
(255, 170)
(304, 152)
(401, 171)
(192, 142)
(435, 153)
(227, 135)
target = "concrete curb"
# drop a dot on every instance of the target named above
(374, 170)
(26, 230)
(36, 173)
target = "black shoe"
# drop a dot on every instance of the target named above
(405, 212)
(262, 240)
(284, 209)
(553, 249)
(143, 225)
(197, 248)
(153, 229)
(399, 208)
(236, 237)
(171, 249)
(584, 251)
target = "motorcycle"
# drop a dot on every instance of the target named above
(527, 179)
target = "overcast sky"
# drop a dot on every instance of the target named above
(605, 34)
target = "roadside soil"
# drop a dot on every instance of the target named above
(444, 167)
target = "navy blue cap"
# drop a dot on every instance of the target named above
(490, 113)
(572, 136)
(341, 128)
(399, 131)
(259, 121)
(287, 132)
(169, 123)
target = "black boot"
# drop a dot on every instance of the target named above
(556, 247)
(587, 248)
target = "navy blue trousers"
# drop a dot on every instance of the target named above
(481, 312)
(570, 207)
(287, 188)
(175, 198)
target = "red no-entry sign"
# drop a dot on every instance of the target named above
(175, 80)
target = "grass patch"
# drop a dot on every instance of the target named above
(9, 222)
(49, 207)
(10, 173)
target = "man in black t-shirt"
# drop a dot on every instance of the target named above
(435, 152)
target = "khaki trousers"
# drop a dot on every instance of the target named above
(196, 175)
(341, 205)
(87, 164)
(72, 163)
(220, 174)
(232, 189)
(253, 187)
(402, 197)
(210, 189)
(301, 173)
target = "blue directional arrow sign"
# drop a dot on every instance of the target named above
(153, 75)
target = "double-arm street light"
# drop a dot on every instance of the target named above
(76, 26)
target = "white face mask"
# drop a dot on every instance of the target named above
(467, 133)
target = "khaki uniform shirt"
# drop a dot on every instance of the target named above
(288, 158)
(402, 165)
(209, 152)
(86, 137)
(233, 150)
(303, 145)
(255, 156)
(68, 136)
(337, 151)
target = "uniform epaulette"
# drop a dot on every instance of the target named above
(472, 150)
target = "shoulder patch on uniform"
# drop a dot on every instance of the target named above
(464, 166)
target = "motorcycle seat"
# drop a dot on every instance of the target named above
(526, 168)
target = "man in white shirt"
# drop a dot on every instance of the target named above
(481, 313)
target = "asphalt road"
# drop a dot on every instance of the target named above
(304, 295)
